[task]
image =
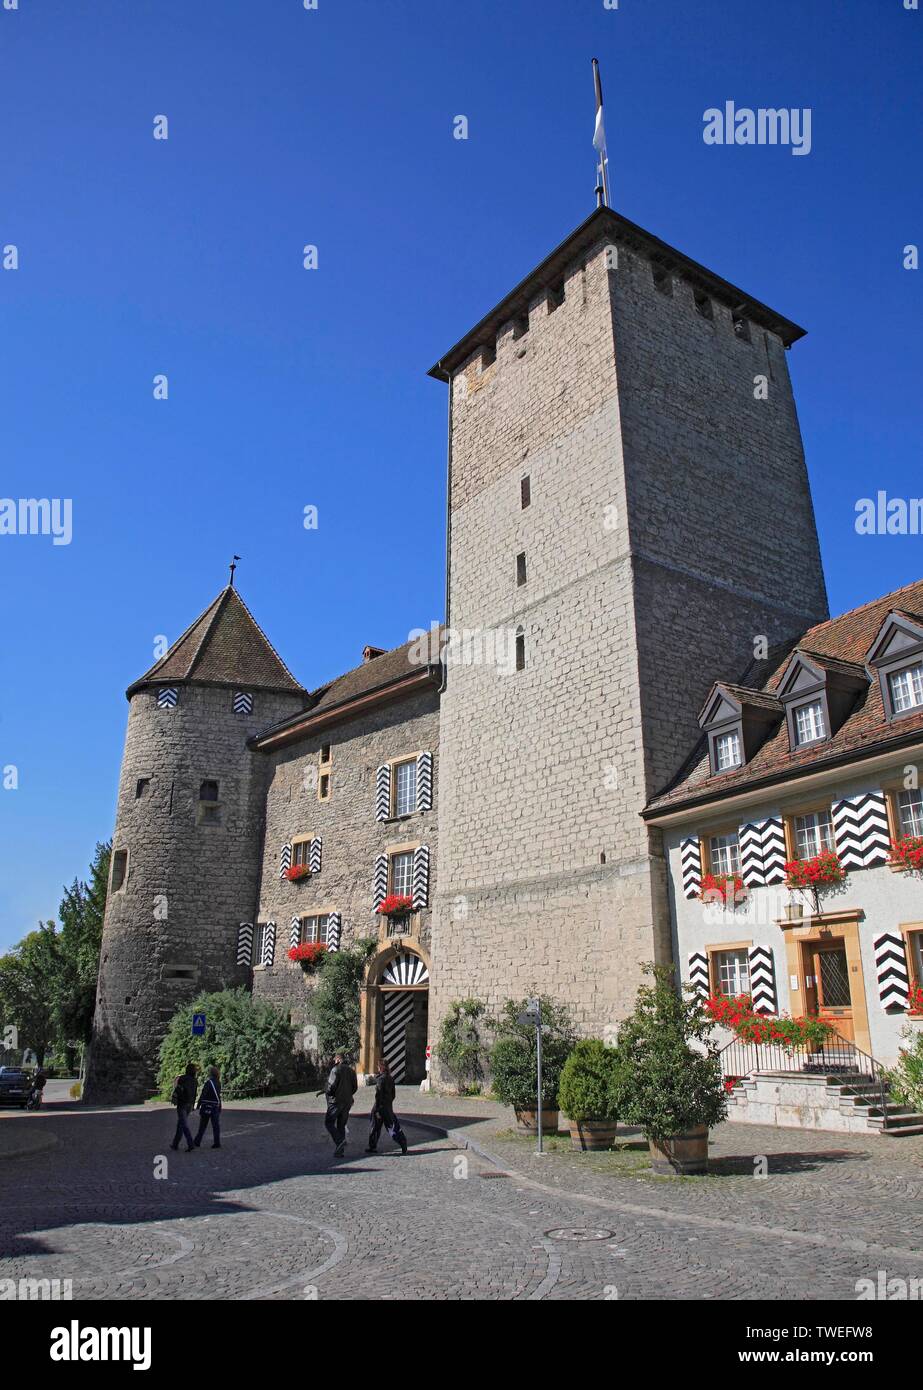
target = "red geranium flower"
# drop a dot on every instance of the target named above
(395, 905)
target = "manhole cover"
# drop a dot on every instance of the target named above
(580, 1233)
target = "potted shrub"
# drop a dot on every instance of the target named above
(667, 1075)
(585, 1097)
(513, 1062)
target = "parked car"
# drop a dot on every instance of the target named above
(15, 1085)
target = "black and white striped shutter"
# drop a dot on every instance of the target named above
(269, 944)
(762, 979)
(167, 697)
(698, 973)
(690, 855)
(860, 826)
(314, 854)
(891, 968)
(380, 881)
(425, 782)
(420, 896)
(383, 792)
(244, 943)
(285, 860)
(774, 855)
(334, 928)
(243, 702)
(750, 842)
(294, 934)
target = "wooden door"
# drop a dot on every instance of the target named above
(830, 969)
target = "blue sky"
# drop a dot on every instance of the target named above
(290, 388)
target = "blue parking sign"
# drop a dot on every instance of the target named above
(198, 1025)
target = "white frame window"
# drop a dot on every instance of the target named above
(301, 852)
(910, 812)
(731, 972)
(259, 942)
(313, 930)
(400, 873)
(724, 854)
(405, 787)
(727, 751)
(906, 688)
(813, 834)
(809, 722)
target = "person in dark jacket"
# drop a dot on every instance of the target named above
(383, 1111)
(184, 1099)
(340, 1089)
(209, 1108)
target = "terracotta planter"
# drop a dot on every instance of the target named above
(681, 1153)
(527, 1121)
(592, 1134)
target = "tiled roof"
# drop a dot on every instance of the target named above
(840, 644)
(224, 646)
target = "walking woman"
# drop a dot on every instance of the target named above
(184, 1099)
(209, 1108)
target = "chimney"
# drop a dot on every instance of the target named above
(370, 653)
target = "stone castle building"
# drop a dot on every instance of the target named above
(629, 518)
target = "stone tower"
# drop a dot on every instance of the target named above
(187, 842)
(629, 512)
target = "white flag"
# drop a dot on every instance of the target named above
(599, 134)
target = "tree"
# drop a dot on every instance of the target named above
(335, 1005)
(81, 914)
(27, 978)
(249, 1040)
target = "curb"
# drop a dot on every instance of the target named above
(458, 1137)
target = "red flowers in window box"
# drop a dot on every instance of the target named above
(730, 888)
(915, 999)
(297, 872)
(396, 905)
(907, 852)
(790, 1034)
(823, 871)
(309, 954)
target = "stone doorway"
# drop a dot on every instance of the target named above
(395, 1013)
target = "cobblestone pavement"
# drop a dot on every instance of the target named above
(272, 1215)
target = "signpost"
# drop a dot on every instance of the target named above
(532, 1017)
(198, 1025)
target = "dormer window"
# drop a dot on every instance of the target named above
(727, 751)
(809, 722)
(906, 688)
(896, 657)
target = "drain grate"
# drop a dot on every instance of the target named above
(579, 1233)
(495, 1175)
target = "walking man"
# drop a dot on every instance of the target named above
(210, 1108)
(341, 1087)
(184, 1099)
(383, 1111)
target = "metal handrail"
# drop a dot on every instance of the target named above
(740, 1059)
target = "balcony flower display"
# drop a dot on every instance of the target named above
(790, 1034)
(396, 905)
(729, 888)
(907, 852)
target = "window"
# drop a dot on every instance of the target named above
(915, 955)
(324, 755)
(313, 930)
(906, 688)
(405, 787)
(401, 873)
(809, 722)
(727, 751)
(910, 813)
(259, 942)
(525, 491)
(141, 786)
(813, 834)
(520, 649)
(208, 791)
(521, 568)
(209, 809)
(301, 852)
(731, 972)
(323, 787)
(724, 854)
(119, 869)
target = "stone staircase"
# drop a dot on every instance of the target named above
(849, 1102)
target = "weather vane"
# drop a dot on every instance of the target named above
(234, 559)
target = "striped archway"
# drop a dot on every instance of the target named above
(395, 1012)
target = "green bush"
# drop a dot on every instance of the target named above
(247, 1039)
(513, 1060)
(462, 1048)
(584, 1092)
(334, 1005)
(906, 1078)
(661, 1081)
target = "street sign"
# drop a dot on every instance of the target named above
(198, 1025)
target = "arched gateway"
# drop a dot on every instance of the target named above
(395, 1012)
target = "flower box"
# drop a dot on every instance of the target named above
(823, 871)
(915, 999)
(790, 1034)
(297, 872)
(308, 955)
(395, 905)
(907, 852)
(728, 888)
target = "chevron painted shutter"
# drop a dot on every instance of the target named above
(698, 973)
(269, 944)
(762, 979)
(383, 792)
(334, 928)
(691, 862)
(243, 702)
(774, 855)
(166, 698)
(891, 968)
(244, 943)
(398, 1012)
(425, 782)
(285, 860)
(380, 881)
(294, 930)
(314, 854)
(420, 877)
(762, 852)
(860, 826)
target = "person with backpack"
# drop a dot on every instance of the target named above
(383, 1111)
(183, 1098)
(209, 1108)
(340, 1089)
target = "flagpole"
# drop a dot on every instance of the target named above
(599, 142)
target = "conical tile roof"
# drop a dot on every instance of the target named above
(224, 646)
